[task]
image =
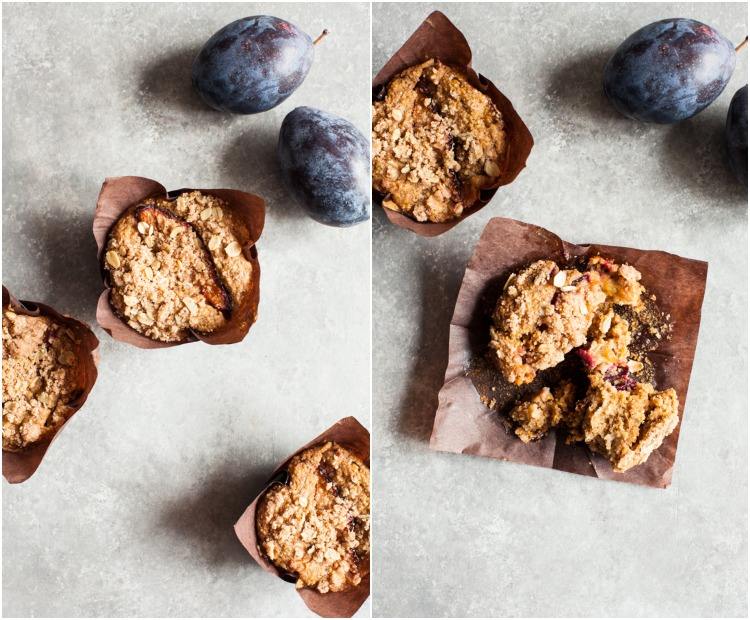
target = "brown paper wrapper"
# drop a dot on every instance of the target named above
(438, 38)
(347, 432)
(465, 425)
(20, 466)
(119, 194)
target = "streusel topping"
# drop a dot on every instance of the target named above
(39, 378)
(177, 266)
(437, 141)
(317, 527)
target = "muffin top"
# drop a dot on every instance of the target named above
(40, 378)
(176, 266)
(437, 141)
(317, 526)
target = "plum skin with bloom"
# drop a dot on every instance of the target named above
(252, 64)
(669, 71)
(736, 134)
(325, 165)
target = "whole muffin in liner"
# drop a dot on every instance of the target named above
(118, 195)
(466, 425)
(19, 466)
(350, 434)
(437, 38)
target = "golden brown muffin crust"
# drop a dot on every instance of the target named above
(39, 378)
(317, 527)
(437, 141)
(177, 266)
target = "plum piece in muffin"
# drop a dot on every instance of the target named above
(316, 527)
(437, 142)
(176, 266)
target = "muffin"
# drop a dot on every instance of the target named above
(41, 378)
(543, 314)
(176, 266)
(437, 142)
(316, 527)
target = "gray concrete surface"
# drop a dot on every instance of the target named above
(466, 536)
(131, 513)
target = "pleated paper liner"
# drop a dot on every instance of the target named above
(20, 466)
(349, 433)
(464, 424)
(117, 195)
(438, 38)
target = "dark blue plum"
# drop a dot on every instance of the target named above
(669, 71)
(325, 164)
(252, 64)
(736, 134)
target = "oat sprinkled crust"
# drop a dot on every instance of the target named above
(543, 314)
(177, 266)
(437, 141)
(39, 378)
(317, 527)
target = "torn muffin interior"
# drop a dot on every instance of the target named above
(437, 142)
(176, 266)
(317, 526)
(40, 378)
(543, 314)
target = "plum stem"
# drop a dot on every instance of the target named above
(741, 45)
(323, 34)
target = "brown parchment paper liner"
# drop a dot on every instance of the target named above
(347, 432)
(438, 38)
(119, 194)
(20, 466)
(465, 425)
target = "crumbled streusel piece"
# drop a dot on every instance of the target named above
(437, 141)
(544, 410)
(317, 527)
(177, 265)
(39, 378)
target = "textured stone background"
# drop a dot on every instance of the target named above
(458, 535)
(131, 513)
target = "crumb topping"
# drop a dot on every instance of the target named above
(317, 527)
(437, 141)
(177, 266)
(39, 378)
